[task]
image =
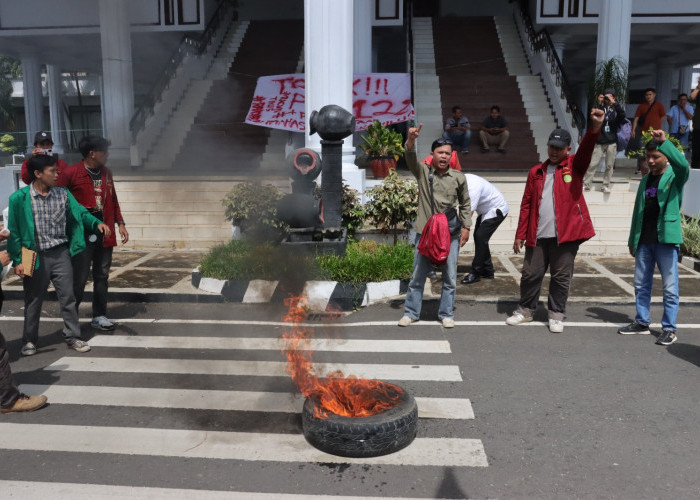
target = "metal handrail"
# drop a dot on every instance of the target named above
(541, 41)
(188, 46)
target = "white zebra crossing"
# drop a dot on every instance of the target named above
(249, 446)
(276, 402)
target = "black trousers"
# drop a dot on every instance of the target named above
(484, 229)
(695, 149)
(8, 390)
(99, 259)
(560, 261)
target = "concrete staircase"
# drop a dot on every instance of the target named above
(426, 84)
(165, 132)
(537, 105)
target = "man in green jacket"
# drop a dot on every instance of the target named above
(47, 219)
(655, 235)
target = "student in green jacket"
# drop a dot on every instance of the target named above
(655, 235)
(47, 219)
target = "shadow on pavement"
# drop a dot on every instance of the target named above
(607, 315)
(686, 352)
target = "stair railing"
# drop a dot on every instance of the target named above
(188, 46)
(541, 42)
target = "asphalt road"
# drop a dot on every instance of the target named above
(587, 413)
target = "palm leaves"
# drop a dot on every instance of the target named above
(610, 74)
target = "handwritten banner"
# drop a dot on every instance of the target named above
(279, 100)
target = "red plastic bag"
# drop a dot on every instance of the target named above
(435, 240)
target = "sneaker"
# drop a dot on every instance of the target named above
(606, 189)
(406, 320)
(637, 172)
(432, 275)
(448, 322)
(502, 151)
(28, 349)
(484, 150)
(79, 345)
(667, 337)
(556, 326)
(25, 403)
(586, 188)
(465, 151)
(517, 319)
(102, 323)
(634, 328)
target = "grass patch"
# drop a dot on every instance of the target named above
(364, 261)
(690, 227)
(367, 260)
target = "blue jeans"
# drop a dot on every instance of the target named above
(666, 257)
(421, 268)
(460, 141)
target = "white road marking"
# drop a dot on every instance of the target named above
(75, 491)
(280, 402)
(439, 452)
(241, 343)
(253, 368)
(331, 324)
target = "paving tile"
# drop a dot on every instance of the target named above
(140, 278)
(120, 259)
(617, 265)
(688, 286)
(580, 266)
(174, 260)
(584, 286)
(499, 286)
(464, 264)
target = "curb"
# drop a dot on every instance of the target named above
(691, 262)
(323, 296)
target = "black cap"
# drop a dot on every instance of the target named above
(559, 138)
(42, 137)
(609, 91)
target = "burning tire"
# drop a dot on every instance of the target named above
(357, 437)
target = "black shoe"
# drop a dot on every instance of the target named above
(484, 150)
(470, 278)
(502, 151)
(667, 337)
(634, 328)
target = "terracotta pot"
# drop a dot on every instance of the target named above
(381, 164)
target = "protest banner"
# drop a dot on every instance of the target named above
(279, 100)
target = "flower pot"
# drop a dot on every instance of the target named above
(380, 165)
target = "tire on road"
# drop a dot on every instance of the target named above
(360, 437)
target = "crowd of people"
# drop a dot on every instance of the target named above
(60, 229)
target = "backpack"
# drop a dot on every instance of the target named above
(624, 133)
(435, 240)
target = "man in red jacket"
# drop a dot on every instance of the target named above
(92, 184)
(43, 145)
(553, 222)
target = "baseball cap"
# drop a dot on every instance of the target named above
(42, 137)
(559, 138)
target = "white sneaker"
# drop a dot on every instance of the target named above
(28, 349)
(556, 326)
(606, 189)
(448, 322)
(517, 319)
(406, 320)
(102, 323)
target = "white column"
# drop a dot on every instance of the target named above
(328, 60)
(33, 99)
(117, 79)
(685, 79)
(664, 83)
(362, 52)
(53, 84)
(614, 24)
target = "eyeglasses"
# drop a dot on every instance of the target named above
(442, 142)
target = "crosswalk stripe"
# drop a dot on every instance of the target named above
(283, 402)
(337, 345)
(75, 491)
(321, 324)
(440, 452)
(252, 368)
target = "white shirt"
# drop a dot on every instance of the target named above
(485, 197)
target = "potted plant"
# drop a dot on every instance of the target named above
(251, 208)
(383, 146)
(393, 204)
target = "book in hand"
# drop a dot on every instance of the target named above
(28, 261)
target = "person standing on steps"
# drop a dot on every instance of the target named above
(607, 141)
(554, 221)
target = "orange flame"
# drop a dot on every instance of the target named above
(345, 396)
